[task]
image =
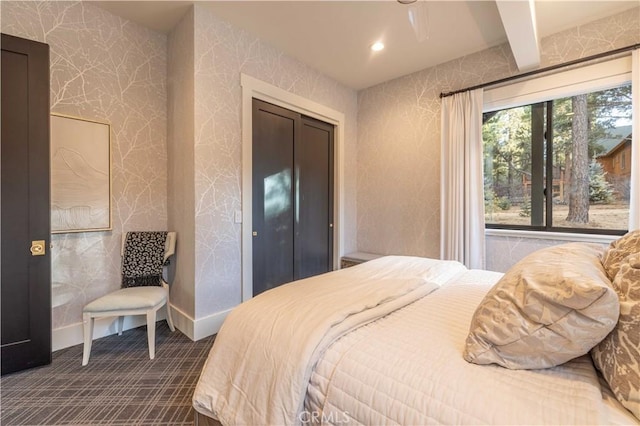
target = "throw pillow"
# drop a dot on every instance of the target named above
(619, 250)
(552, 306)
(618, 355)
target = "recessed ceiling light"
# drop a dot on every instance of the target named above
(377, 46)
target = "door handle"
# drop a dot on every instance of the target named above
(37, 248)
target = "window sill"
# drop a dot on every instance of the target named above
(542, 235)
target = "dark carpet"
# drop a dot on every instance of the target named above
(119, 386)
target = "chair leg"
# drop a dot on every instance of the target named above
(88, 321)
(169, 318)
(120, 324)
(151, 332)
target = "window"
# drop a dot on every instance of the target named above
(623, 161)
(549, 165)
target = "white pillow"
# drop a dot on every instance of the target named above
(552, 306)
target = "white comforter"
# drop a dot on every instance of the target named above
(259, 367)
(364, 346)
(407, 368)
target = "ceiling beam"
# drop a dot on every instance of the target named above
(519, 22)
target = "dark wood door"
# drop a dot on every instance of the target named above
(26, 278)
(274, 130)
(292, 196)
(313, 225)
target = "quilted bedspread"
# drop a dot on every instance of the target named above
(407, 368)
(259, 367)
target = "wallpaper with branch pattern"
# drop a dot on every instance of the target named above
(399, 142)
(107, 69)
(222, 53)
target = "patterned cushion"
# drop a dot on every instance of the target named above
(143, 258)
(618, 355)
(619, 250)
(552, 306)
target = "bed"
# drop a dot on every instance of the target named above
(383, 343)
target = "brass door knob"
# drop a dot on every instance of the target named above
(37, 248)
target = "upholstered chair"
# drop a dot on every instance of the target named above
(143, 300)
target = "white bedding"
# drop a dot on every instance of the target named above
(408, 369)
(320, 337)
(259, 367)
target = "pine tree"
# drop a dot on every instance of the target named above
(600, 191)
(579, 181)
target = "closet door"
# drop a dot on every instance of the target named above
(26, 262)
(274, 131)
(292, 196)
(313, 225)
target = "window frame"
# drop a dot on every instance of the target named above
(546, 89)
(543, 201)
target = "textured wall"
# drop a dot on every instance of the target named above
(108, 69)
(606, 34)
(222, 52)
(181, 166)
(399, 137)
(399, 153)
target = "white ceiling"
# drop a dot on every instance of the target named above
(334, 36)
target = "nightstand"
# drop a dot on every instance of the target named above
(356, 258)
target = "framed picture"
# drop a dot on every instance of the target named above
(80, 175)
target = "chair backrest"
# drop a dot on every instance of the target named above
(169, 248)
(169, 245)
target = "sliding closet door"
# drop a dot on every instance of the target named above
(274, 131)
(314, 199)
(292, 196)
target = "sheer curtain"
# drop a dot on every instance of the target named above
(634, 202)
(462, 188)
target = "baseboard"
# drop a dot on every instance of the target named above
(200, 328)
(209, 325)
(72, 335)
(183, 322)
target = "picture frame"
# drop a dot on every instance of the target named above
(80, 175)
